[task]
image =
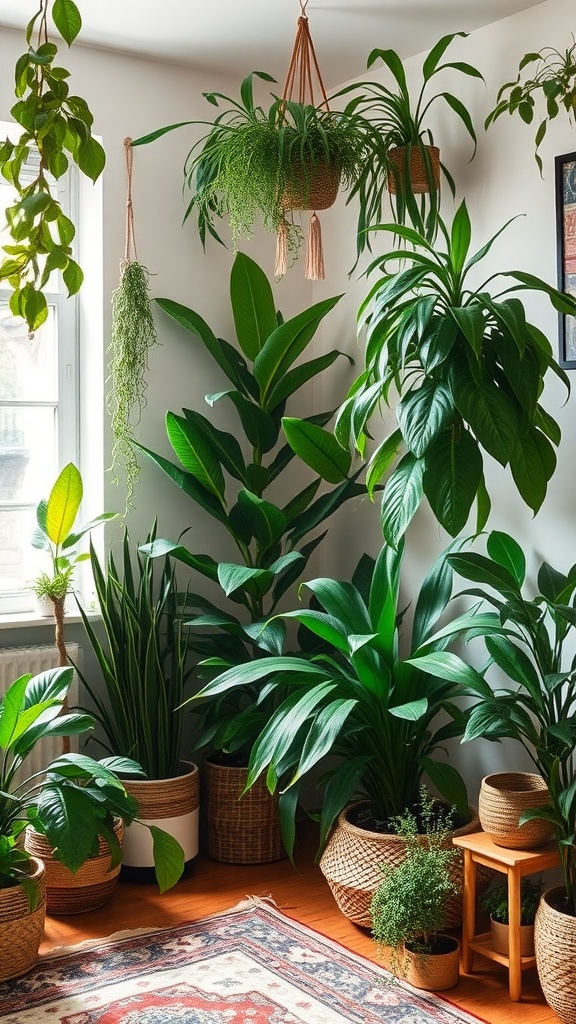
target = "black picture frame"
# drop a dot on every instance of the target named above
(565, 180)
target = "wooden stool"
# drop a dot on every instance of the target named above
(480, 849)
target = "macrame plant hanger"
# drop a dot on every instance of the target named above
(304, 83)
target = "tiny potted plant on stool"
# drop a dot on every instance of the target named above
(495, 903)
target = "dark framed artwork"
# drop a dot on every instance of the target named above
(566, 248)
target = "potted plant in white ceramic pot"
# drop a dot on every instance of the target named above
(495, 903)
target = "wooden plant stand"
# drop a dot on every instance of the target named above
(479, 849)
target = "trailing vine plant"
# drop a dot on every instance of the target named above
(133, 334)
(57, 126)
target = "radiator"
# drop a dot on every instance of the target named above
(16, 662)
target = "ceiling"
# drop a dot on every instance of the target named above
(238, 36)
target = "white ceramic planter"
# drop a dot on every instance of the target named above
(169, 804)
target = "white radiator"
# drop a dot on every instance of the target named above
(16, 662)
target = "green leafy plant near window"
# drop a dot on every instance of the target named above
(409, 907)
(469, 368)
(56, 124)
(553, 82)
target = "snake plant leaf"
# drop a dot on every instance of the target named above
(452, 474)
(168, 858)
(252, 305)
(286, 343)
(507, 552)
(195, 454)
(63, 504)
(318, 448)
(424, 414)
(449, 784)
(401, 498)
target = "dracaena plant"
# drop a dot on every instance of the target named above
(469, 369)
(76, 800)
(231, 477)
(57, 126)
(360, 700)
(530, 638)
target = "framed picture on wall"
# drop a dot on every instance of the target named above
(566, 249)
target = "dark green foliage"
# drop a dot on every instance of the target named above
(57, 125)
(495, 901)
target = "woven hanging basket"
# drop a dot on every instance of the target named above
(352, 860)
(173, 805)
(89, 888)
(21, 930)
(420, 175)
(239, 829)
(315, 190)
(503, 798)
(555, 943)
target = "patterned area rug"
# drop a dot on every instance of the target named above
(250, 966)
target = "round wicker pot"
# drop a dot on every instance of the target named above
(420, 175)
(21, 930)
(555, 943)
(312, 191)
(503, 798)
(170, 804)
(352, 860)
(88, 888)
(500, 938)
(436, 972)
(239, 829)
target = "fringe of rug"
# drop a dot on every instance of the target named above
(248, 903)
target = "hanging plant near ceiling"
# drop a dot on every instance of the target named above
(133, 335)
(56, 125)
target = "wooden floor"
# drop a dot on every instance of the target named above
(302, 894)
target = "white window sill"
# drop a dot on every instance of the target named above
(16, 620)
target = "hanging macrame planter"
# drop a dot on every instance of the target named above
(133, 335)
(314, 186)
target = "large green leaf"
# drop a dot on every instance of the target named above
(294, 379)
(267, 521)
(252, 305)
(423, 414)
(68, 818)
(401, 498)
(196, 325)
(507, 552)
(480, 569)
(286, 343)
(260, 429)
(492, 416)
(533, 462)
(515, 663)
(168, 858)
(235, 577)
(224, 444)
(251, 672)
(187, 483)
(63, 504)
(10, 708)
(205, 564)
(318, 448)
(195, 453)
(323, 734)
(451, 478)
(449, 784)
(276, 739)
(461, 235)
(444, 665)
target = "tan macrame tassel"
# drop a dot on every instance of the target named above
(281, 250)
(315, 252)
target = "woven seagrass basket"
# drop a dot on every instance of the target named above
(503, 798)
(555, 943)
(239, 829)
(352, 860)
(21, 930)
(89, 888)
(171, 804)
(312, 191)
(437, 972)
(420, 175)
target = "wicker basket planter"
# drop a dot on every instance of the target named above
(555, 943)
(420, 175)
(351, 864)
(20, 929)
(89, 888)
(170, 804)
(503, 798)
(436, 972)
(239, 829)
(317, 191)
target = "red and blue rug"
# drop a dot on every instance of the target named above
(250, 966)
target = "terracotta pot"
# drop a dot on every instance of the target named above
(500, 938)
(170, 804)
(239, 829)
(21, 929)
(352, 861)
(436, 972)
(419, 175)
(555, 944)
(503, 799)
(88, 888)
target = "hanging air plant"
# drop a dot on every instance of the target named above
(133, 335)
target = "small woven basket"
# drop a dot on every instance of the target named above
(21, 931)
(239, 829)
(166, 798)
(503, 798)
(421, 176)
(315, 190)
(352, 861)
(434, 973)
(555, 943)
(88, 888)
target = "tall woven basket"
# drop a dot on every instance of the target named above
(171, 804)
(503, 799)
(352, 860)
(89, 888)
(555, 943)
(423, 171)
(20, 929)
(239, 829)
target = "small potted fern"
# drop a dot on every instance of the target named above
(409, 907)
(495, 903)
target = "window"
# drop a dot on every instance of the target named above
(38, 418)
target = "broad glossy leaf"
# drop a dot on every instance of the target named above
(226, 446)
(318, 448)
(324, 733)
(325, 626)
(277, 738)
(286, 343)
(187, 483)
(251, 672)
(507, 552)
(434, 595)
(195, 453)
(268, 522)
(10, 708)
(410, 712)
(480, 569)
(515, 663)
(260, 429)
(424, 414)
(67, 19)
(168, 858)
(444, 665)
(381, 460)
(343, 602)
(205, 564)
(324, 506)
(461, 235)
(196, 325)
(63, 504)
(449, 784)
(532, 463)
(68, 818)
(294, 379)
(453, 471)
(252, 305)
(235, 577)
(472, 323)
(401, 498)
(494, 419)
